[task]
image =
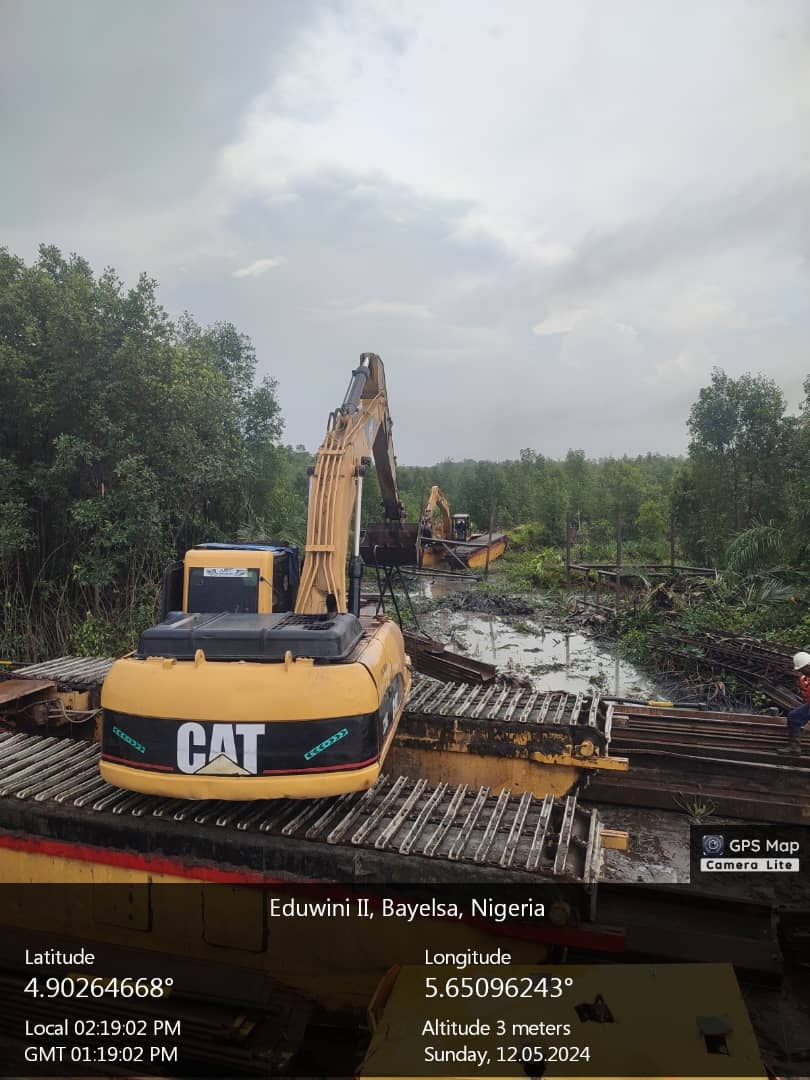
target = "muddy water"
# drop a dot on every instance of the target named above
(531, 646)
(555, 660)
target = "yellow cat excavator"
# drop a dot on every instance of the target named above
(236, 696)
(449, 540)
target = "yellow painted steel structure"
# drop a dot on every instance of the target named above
(541, 774)
(353, 438)
(437, 500)
(432, 556)
(497, 755)
(437, 555)
(662, 1019)
(478, 559)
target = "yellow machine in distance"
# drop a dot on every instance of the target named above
(431, 528)
(449, 540)
(255, 686)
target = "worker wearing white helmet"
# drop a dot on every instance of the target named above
(799, 716)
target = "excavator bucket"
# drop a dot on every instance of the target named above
(390, 545)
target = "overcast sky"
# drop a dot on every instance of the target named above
(551, 219)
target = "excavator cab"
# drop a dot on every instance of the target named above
(461, 526)
(251, 578)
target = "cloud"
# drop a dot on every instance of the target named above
(687, 368)
(617, 344)
(561, 323)
(395, 309)
(259, 267)
(150, 145)
(573, 146)
(630, 208)
(765, 209)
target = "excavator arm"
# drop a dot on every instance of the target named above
(357, 431)
(437, 499)
(383, 446)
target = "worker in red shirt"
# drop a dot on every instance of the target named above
(799, 716)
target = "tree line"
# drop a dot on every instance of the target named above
(742, 491)
(551, 495)
(126, 436)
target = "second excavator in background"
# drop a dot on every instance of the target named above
(448, 541)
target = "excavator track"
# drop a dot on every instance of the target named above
(491, 701)
(73, 672)
(520, 737)
(502, 702)
(51, 787)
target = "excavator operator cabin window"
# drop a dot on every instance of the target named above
(223, 588)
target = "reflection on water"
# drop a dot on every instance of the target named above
(434, 588)
(555, 660)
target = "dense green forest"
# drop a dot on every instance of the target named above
(126, 436)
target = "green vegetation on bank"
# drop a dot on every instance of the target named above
(545, 493)
(127, 436)
(739, 502)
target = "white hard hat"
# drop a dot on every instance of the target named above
(801, 660)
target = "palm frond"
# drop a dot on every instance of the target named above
(795, 576)
(754, 549)
(769, 590)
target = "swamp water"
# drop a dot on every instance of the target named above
(534, 645)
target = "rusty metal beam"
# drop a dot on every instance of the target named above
(20, 693)
(433, 658)
(662, 792)
(760, 665)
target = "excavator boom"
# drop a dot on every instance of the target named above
(357, 431)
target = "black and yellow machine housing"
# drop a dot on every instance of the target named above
(256, 685)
